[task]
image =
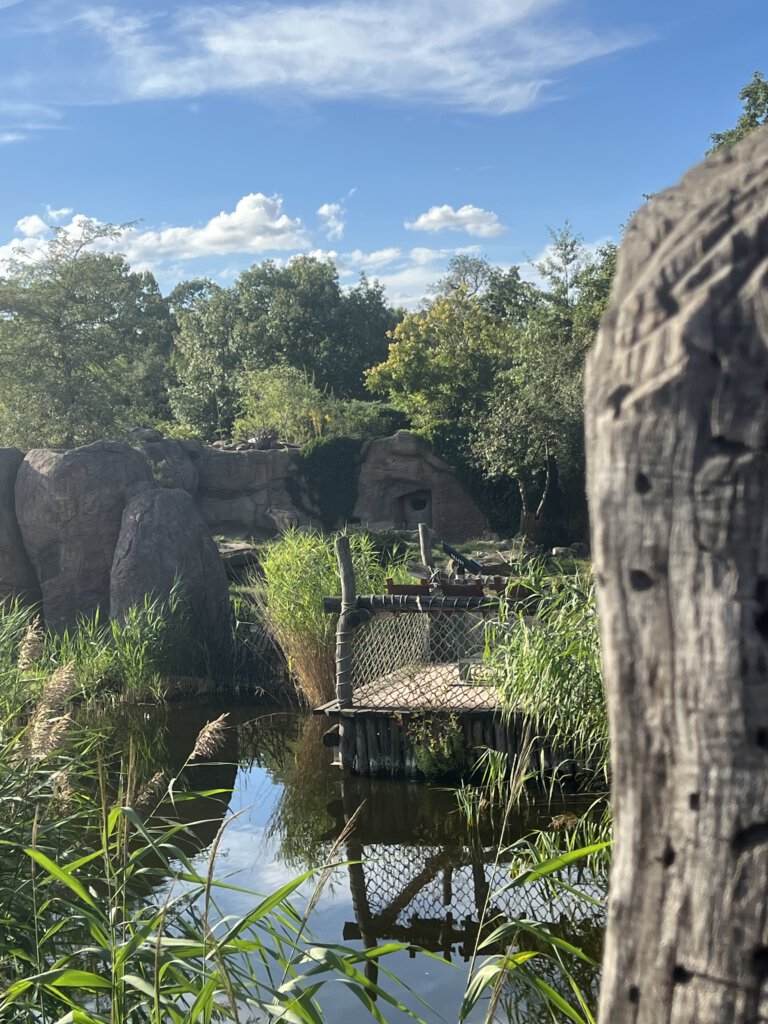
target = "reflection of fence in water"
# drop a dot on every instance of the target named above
(436, 897)
(420, 661)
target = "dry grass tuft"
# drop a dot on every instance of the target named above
(48, 727)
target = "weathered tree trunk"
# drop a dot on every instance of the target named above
(531, 523)
(677, 431)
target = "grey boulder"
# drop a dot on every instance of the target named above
(17, 577)
(69, 507)
(162, 540)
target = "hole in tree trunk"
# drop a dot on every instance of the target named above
(681, 975)
(642, 483)
(640, 580)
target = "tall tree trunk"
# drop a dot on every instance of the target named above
(532, 522)
(677, 430)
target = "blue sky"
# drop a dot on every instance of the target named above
(384, 134)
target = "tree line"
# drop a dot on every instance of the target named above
(490, 369)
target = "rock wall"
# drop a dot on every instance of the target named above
(402, 483)
(98, 527)
(16, 573)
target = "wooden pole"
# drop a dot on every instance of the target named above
(344, 629)
(425, 545)
(677, 447)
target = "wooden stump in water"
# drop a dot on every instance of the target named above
(677, 430)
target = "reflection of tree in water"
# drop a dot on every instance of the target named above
(300, 819)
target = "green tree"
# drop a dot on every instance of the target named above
(84, 342)
(534, 428)
(209, 360)
(299, 314)
(442, 363)
(296, 316)
(284, 400)
(754, 97)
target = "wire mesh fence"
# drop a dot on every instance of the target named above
(421, 662)
(424, 887)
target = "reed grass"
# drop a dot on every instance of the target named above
(111, 916)
(544, 659)
(135, 658)
(298, 571)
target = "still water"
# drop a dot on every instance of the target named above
(419, 875)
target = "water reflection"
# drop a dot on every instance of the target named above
(414, 872)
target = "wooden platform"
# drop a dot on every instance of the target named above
(376, 737)
(442, 688)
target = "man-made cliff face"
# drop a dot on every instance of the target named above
(16, 573)
(98, 527)
(402, 483)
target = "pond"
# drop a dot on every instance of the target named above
(412, 871)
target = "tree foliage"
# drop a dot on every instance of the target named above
(297, 316)
(754, 97)
(492, 369)
(286, 402)
(536, 421)
(83, 342)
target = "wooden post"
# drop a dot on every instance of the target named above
(344, 630)
(677, 432)
(425, 544)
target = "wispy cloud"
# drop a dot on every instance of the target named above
(332, 219)
(472, 219)
(7, 137)
(497, 58)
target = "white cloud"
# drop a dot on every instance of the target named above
(31, 225)
(495, 58)
(57, 215)
(406, 276)
(373, 260)
(332, 219)
(475, 221)
(6, 138)
(257, 224)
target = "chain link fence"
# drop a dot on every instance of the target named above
(421, 661)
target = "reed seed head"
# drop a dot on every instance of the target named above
(32, 645)
(210, 739)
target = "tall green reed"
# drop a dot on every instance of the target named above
(544, 659)
(130, 659)
(112, 916)
(299, 570)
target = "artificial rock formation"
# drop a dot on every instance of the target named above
(402, 483)
(677, 430)
(70, 507)
(174, 463)
(246, 492)
(163, 540)
(61, 513)
(17, 577)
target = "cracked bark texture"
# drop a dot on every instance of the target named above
(677, 437)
